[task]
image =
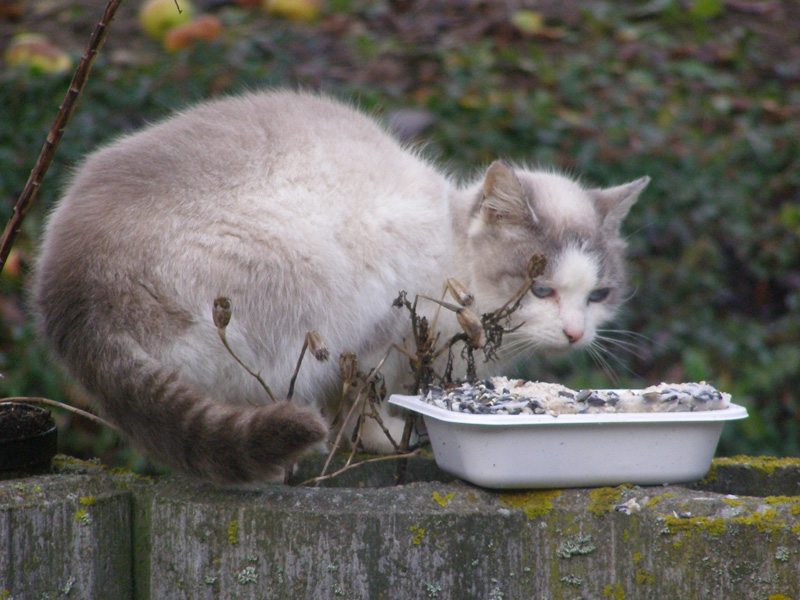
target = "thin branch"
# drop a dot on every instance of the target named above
(367, 382)
(290, 393)
(358, 464)
(56, 132)
(374, 415)
(77, 411)
(313, 342)
(224, 338)
(402, 466)
(338, 439)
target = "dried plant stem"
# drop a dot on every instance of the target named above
(313, 343)
(355, 441)
(374, 415)
(56, 131)
(338, 437)
(513, 302)
(290, 393)
(438, 307)
(358, 399)
(318, 479)
(459, 337)
(77, 411)
(402, 466)
(263, 383)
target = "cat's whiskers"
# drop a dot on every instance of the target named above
(635, 340)
(628, 346)
(604, 349)
(599, 354)
(515, 346)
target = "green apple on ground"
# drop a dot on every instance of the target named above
(36, 52)
(159, 16)
(296, 10)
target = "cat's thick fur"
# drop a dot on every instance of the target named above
(309, 216)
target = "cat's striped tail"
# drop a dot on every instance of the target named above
(177, 425)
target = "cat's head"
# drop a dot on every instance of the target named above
(520, 213)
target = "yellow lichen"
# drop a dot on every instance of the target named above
(419, 535)
(88, 500)
(233, 532)
(778, 597)
(126, 476)
(656, 499)
(615, 592)
(62, 460)
(643, 577)
(82, 516)
(778, 500)
(604, 499)
(733, 502)
(765, 522)
(535, 503)
(442, 500)
(711, 476)
(637, 557)
(767, 464)
(712, 526)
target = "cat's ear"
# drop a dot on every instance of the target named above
(614, 203)
(503, 196)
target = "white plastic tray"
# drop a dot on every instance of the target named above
(541, 451)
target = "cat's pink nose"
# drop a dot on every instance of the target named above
(573, 335)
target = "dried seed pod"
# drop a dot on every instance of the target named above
(222, 312)
(460, 293)
(316, 346)
(471, 325)
(348, 366)
(536, 266)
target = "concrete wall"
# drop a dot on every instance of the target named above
(84, 533)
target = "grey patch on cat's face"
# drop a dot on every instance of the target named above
(568, 225)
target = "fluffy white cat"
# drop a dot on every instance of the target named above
(307, 215)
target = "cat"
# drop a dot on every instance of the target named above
(307, 215)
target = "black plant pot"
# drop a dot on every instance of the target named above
(28, 438)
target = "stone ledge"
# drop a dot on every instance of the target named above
(66, 534)
(86, 533)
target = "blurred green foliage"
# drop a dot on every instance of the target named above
(704, 99)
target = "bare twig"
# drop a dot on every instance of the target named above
(292, 381)
(425, 340)
(318, 350)
(320, 478)
(222, 312)
(402, 466)
(56, 131)
(77, 411)
(375, 415)
(338, 439)
(263, 383)
(348, 382)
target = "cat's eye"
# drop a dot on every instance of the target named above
(542, 291)
(599, 294)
